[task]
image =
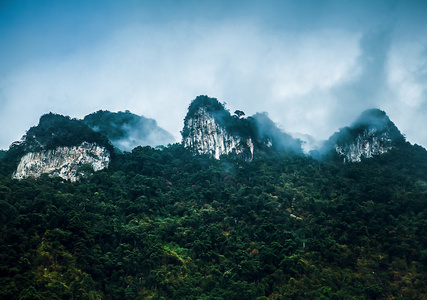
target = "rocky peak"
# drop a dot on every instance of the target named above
(373, 133)
(209, 128)
(60, 146)
(69, 163)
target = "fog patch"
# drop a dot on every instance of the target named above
(271, 133)
(127, 131)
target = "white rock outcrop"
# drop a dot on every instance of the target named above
(63, 161)
(366, 145)
(208, 137)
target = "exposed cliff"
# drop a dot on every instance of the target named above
(373, 133)
(66, 162)
(365, 145)
(208, 136)
(209, 128)
(60, 146)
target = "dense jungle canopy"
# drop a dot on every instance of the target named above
(165, 224)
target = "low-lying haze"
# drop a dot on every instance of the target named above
(314, 66)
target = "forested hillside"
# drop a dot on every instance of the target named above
(165, 224)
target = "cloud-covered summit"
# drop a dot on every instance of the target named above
(372, 133)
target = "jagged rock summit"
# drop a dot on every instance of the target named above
(209, 128)
(127, 130)
(62, 147)
(373, 133)
(70, 148)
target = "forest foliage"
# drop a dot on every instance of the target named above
(165, 224)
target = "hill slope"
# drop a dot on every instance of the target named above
(168, 224)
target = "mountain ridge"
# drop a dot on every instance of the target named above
(167, 223)
(209, 128)
(371, 134)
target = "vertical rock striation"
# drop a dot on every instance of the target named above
(210, 129)
(373, 133)
(64, 162)
(365, 145)
(207, 136)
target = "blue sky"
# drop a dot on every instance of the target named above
(314, 66)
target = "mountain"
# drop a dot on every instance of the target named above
(372, 134)
(69, 148)
(127, 130)
(60, 146)
(209, 128)
(169, 224)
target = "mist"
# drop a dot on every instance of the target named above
(278, 138)
(127, 131)
(314, 67)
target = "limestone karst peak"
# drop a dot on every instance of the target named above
(373, 133)
(209, 128)
(60, 146)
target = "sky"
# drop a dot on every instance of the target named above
(313, 66)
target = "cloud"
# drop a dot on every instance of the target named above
(407, 80)
(368, 86)
(313, 68)
(155, 72)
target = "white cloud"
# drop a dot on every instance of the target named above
(310, 79)
(407, 80)
(157, 71)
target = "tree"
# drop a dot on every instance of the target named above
(239, 113)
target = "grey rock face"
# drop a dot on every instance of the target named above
(208, 137)
(366, 145)
(372, 134)
(63, 161)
